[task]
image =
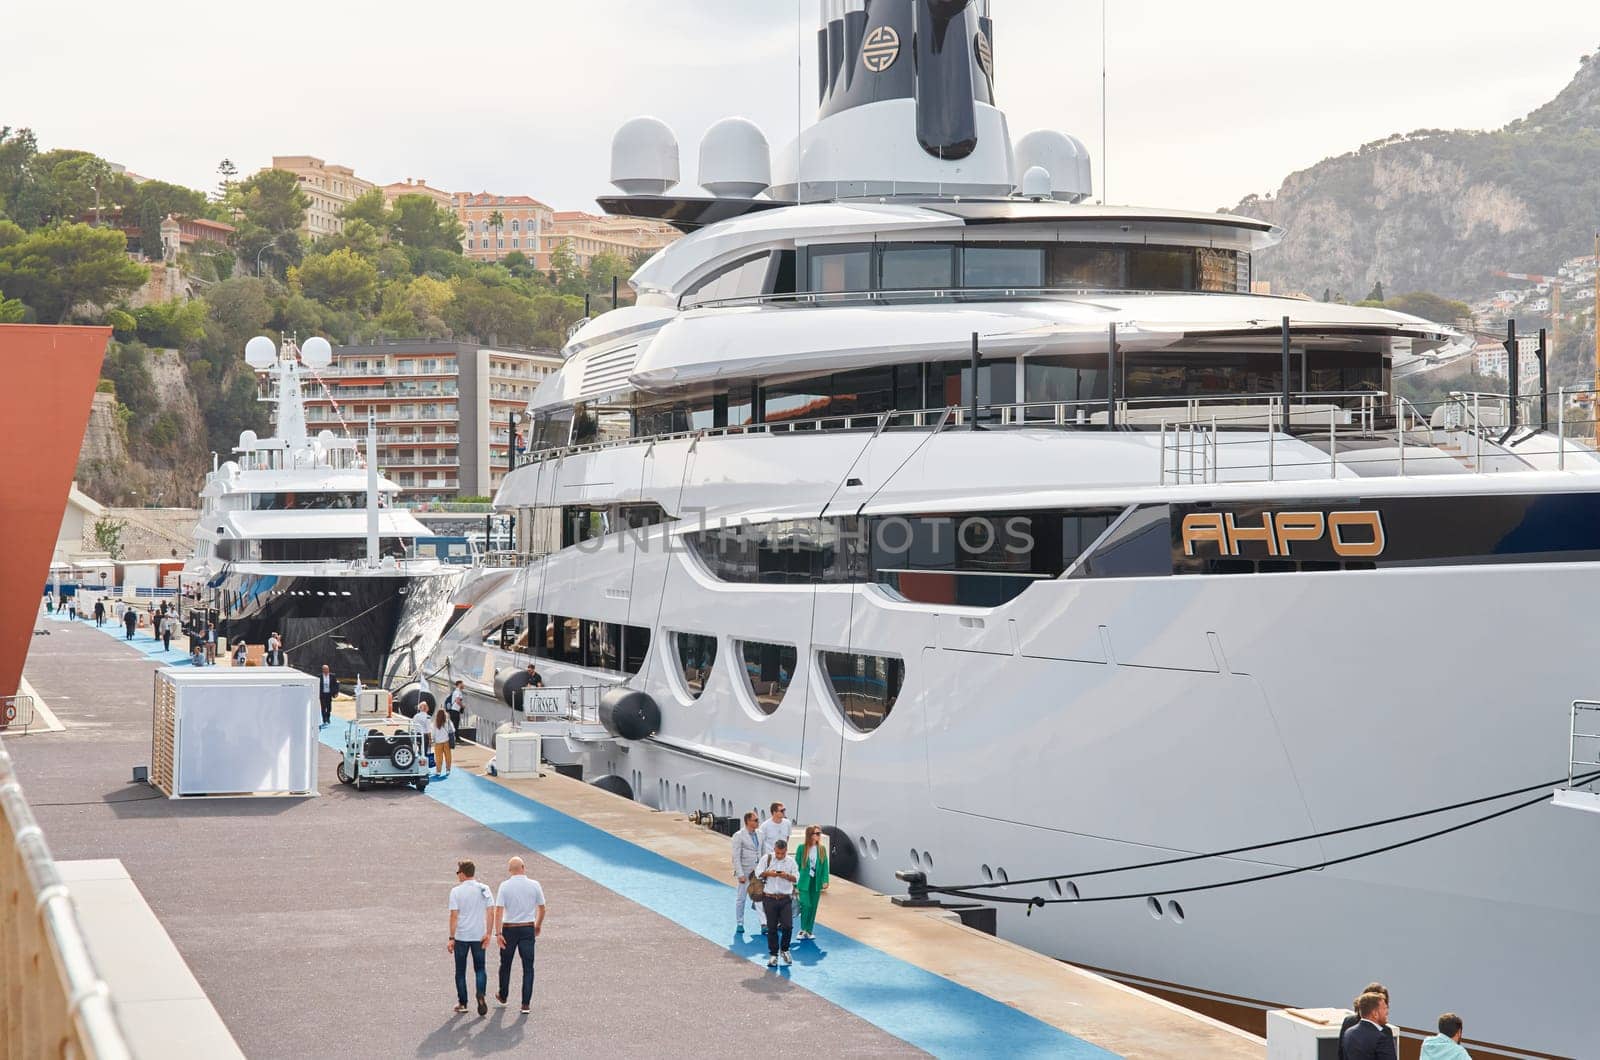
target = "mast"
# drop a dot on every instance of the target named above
(372, 489)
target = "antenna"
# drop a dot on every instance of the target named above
(1105, 167)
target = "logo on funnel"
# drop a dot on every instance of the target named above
(880, 49)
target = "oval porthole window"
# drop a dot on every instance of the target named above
(768, 669)
(988, 874)
(1175, 911)
(1055, 888)
(1154, 905)
(1002, 874)
(697, 654)
(1071, 890)
(916, 859)
(864, 687)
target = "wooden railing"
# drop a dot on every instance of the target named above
(54, 1003)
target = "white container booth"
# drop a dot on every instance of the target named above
(221, 731)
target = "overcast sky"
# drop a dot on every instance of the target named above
(1207, 101)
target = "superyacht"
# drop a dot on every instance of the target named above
(1012, 538)
(301, 537)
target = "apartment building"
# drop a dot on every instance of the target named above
(443, 409)
(391, 192)
(495, 225)
(330, 188)
(589, 234)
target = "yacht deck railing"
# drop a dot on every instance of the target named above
(1353, 427)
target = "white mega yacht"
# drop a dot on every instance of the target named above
(299, 536)
(1015, 540)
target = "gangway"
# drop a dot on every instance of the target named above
(1583, 753)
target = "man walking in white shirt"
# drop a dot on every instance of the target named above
(470, 903)
(746, 853)
(779, 872)
(775, 828)
(518, 918)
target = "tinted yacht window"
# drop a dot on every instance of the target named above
(916, 267)
(864, 687)
(697, 654)
(768, 669)
(839, 269)
(1002, 266)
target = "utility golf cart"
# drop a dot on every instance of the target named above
(382, 754)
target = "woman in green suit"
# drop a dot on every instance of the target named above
(813, 861)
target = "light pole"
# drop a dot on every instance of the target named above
(270, 243)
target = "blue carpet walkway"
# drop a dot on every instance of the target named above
(141, 642)
(924, 1009)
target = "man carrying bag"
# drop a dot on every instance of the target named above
(776, 874)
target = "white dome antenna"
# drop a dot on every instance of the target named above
(316, 353)
(1062, 156)
(260, 352)
(735, 161)
(1036, 183)
(644, 157)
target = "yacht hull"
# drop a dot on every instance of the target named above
(1091, 724)
(367, 626)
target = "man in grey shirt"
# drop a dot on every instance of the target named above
(746, 852)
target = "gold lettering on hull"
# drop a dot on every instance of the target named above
(1351, 535)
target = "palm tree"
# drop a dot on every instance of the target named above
(498, 220)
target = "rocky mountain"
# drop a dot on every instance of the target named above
(156, 455)
(1437, 210)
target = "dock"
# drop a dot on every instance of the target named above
(313, 923)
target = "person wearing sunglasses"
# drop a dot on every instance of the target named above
(813, 863)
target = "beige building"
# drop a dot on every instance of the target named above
(442, 409)
(330, 189)
(588, 235)
(391, 192)
(494, 225)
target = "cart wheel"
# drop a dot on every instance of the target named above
(403, 758)
(361, 781)
(422, 785)
(344, 778)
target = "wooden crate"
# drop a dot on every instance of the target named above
(163, 724)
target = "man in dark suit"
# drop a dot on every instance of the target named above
(326, 687)
(1369, 1038)
(1353, 1019)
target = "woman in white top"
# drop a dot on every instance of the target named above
(442, 730)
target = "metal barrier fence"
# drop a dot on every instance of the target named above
(16, 713)
(54, 1003)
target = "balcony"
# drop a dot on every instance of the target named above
(411, 461)
(385, 438)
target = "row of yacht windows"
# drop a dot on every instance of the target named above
(305, 549)
(865, 687)
(1070, 385)
(922, 267)
(301, 500)
(969, 559)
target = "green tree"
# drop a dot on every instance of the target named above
(340, 280)
(108, 535)
(1376, 294)
(175, 324)
(12, 311)
(369, 207)
(56, 268)
(1430, 306)
(17, 150)
(271, 209)
(153, 201)
(359, 236)
(415, 309)
(430, 234)
(226, 171)
(63, 186)
(565, 273)
(602, 268)
(491, 313)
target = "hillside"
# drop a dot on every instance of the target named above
(1437, 210)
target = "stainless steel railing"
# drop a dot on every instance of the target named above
(69, 1014)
